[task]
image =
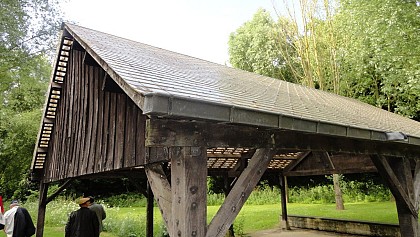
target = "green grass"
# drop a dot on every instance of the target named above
(383, 212)
(252, 217)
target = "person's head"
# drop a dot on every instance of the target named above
(91, 199)
(84, 202)
(14, 203)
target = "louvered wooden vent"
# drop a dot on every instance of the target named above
(53, 101)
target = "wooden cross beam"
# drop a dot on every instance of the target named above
(167, 133)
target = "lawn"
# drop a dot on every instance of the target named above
(259, 217)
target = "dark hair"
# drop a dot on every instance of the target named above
(91, 199)
(14, 202)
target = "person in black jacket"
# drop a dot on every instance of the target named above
(83, 222)
(18, 222)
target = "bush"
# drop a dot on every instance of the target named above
(126, 200)
(353, 191)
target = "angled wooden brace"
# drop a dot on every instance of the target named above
(397, 173)
(240, 192)
(162, 192)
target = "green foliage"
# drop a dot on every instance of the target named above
(130, 221)
(20, 112)
(353, 191)
(380, 61)
(254, 47)
(126, 200)
(27, 33)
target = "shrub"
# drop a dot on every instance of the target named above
(126, 200)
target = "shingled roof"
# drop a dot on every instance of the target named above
(165, 83)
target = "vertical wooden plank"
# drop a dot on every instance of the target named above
(149, 217)
(94, 112)
(42, 206)
(69, 111)
(240, 192)
(120, 131)
(100, 121)
(417, 184)
(226, 189)
(140, 138)
(111, 130)
(80, 85)
(284, 220)
(90, 111)
(130, 133)
(189, 189)
(63, 116)
(105, 132)
(75, 115)
(85, 114)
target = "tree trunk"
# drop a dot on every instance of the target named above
(339, 204)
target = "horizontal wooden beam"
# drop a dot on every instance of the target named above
(321, 163)
(330, 171)
(161, 133)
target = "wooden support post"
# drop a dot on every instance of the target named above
(42, 205)
(397, 173)
(149, 219)
(226, 189)
(240, 192)
(162, 193)
(284, 220)
(189, 191)
(417, 185)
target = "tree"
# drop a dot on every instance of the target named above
(255, 47)
(380, 53)
(362, 49)
(26, 34)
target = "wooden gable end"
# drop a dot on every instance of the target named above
(96, 129)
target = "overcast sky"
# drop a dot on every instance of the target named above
(196, 28)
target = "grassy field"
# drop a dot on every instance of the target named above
(259, 217)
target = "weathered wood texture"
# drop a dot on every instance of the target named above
(188, 133)
(162, 193)
(42, 207)
(283, 186)
(189, 190)
(321, 163)
(240, 193)
(96, 130)
(149, 212)
(398, 174)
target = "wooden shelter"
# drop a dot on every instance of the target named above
(117, 106)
